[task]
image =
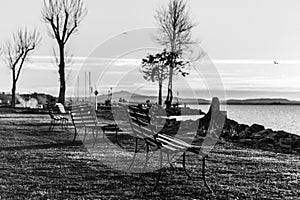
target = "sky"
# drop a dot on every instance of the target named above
(241, 40)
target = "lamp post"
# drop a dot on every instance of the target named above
(96, 93)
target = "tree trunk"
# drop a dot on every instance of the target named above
(61, 71)
(160, 94)
(13, 94)
(170, 95)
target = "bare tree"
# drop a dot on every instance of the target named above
(63, 17)
(16, 52)
(175, 28)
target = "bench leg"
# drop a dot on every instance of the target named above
(103, 136)
(135, 152)
(51, 124)
(169, 161)
(184, 168)
(62, 123)
(160, 169)
(117, 140)
(203, 175)
(85, 133)
(147, 157)
(65, 123)
(75, 134)
(94, 136)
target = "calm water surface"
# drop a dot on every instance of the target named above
(276, 117)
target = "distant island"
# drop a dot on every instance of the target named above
(41, 99)
(139, 98)
(262, 101)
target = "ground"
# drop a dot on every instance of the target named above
(38, 164)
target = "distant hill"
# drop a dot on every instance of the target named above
(262, 101)
(139, 98)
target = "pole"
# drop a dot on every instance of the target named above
(85, 85)
(90, 87)
(78, 88)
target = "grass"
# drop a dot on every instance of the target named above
(38, 164)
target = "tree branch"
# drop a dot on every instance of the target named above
(70, 32)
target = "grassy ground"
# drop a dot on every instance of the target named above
(38, 164)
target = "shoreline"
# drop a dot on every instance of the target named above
(255, 135)
(258, 136)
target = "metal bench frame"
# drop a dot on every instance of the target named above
(57, 117)
(84, 116)
(144, 130)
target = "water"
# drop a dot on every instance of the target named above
(276, 117)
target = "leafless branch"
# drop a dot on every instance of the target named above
(16, 52)
(64, 17)
(174, 25)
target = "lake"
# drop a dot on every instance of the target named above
(276, 117)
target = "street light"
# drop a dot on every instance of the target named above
(96, 93)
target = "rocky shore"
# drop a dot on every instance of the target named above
(252, 136)
(258, 136)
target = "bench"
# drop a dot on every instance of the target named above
(84, 117)
(146, 129)
(57, 118)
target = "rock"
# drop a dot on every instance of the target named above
(267, 140)
(262, 134)
(246, 141)
(244, 133)
(280, 134)
(232, 122)
(285, 143)
(225, 134)
(254, 128)
(242, 127)
(296, 144)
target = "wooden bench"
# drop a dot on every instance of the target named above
(57, 118)
(84, 117)
(146, 130)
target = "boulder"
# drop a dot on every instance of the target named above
(281, 134)
(231, 122)
(246, 141)
(296, 144)
(225, 134)
(241, 127)
(267, 140)
(285, 143)
(244, 133)
(262, 134)
(254, 128)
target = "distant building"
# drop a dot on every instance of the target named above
(35, 100)
(4, 99)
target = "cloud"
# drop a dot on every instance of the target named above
(253, 61)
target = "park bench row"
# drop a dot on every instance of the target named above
(144, 128)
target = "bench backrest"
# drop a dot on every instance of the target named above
(140, 122)
(143, 127)
(84, 115)
(61, 108)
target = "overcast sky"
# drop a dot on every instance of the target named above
(242, 38)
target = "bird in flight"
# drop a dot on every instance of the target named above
(276, 63)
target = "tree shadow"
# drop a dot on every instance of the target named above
(42, 146)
